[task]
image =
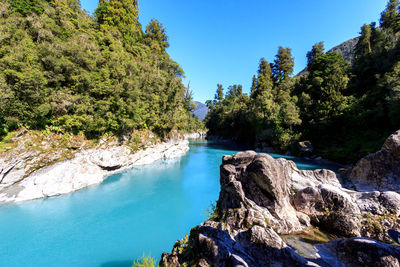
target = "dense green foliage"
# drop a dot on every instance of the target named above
(26, 7)
(65, 71)
(345, 110)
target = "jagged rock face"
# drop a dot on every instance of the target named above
(262, 197)
(380, 169)
(256, 188)
(259, 190)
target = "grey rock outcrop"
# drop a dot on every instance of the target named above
(257, 246)
(22, 178)
(355, 252)
(262, 198)
(380, 170)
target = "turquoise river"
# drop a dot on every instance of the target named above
(142, 211)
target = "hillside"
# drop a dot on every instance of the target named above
(346, 49)
(64, 71)
(200, 111)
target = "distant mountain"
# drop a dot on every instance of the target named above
(346, 49)
(201, 111)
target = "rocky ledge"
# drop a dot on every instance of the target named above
(263, 199)
(23, 178)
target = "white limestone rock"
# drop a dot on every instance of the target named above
(86, 168)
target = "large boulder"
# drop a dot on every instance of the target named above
(262, 198)
(380, 170)
(255, 189)
(259, 190)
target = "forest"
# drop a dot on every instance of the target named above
(345, 110)
(65, 71)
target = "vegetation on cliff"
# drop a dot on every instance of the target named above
(345, 110)
(64, 71)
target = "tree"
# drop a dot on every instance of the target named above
(327, 82)
(187, 99)
(316, 51)
(234, 91)
(391, 83)
(371, 57)
(390, 18)
(156, 36)
(61, 71)
(364, 46)
(283, 64)
(264, 78)
(253, 86)
(25, 7)
(219, 95)
(344, 118)
(121, 15)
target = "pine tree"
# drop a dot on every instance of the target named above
(188, 98)
(283, 64)
(235, 91)
(264, 78)
(328, 81)
(390, 19)
(219, 95)
(253, 86)
(156, 36)
(363, 46)
(316, 51)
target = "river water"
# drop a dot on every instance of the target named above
(142, 211)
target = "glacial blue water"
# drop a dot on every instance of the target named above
(142, 211)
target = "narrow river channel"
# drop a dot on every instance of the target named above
(142, 211)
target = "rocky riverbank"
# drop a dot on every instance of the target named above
(31, 172)
(197, 135)
(264, 199)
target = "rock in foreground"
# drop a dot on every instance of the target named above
(262, 198)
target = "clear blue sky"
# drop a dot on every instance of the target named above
(222, 41)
